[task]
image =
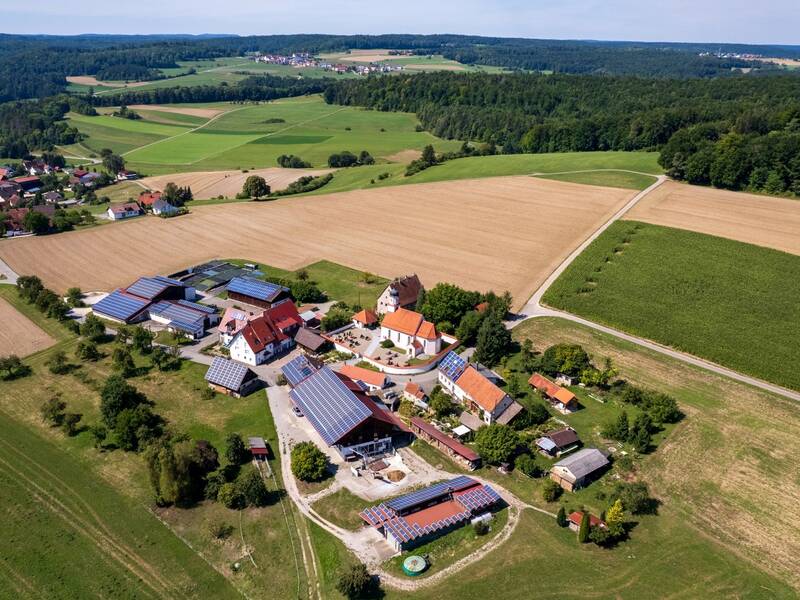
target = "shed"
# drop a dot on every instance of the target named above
(230, 377)
(258, 448)
(451, 447)
(579, 469)
(310, 342)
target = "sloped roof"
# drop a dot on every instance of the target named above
(583, 462)
(454, 445)
(232, 321)
(259, 332)
(509, 413)
(308, 339)
(427, 331)
(366, 316)
(228, 373)
(563, 437)
(406, 288)
(255, 288)
(284, 314)
(403, 320)
(299, 368)
(366, 375)
(480, 389)
(543, 384)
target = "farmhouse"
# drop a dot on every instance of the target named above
(231, 323)
(52, 197)
(575, 519)
(146, 199)
(420, 516)
(256, 292)
(127, 175)
(473, 389)
(580, 469)
(400, 293)
(343, 415)
(162, 207)
(371, 380)
(410, 331)
(231, 378)
(365, 318)
(561, 398)
(130, 305)
(117, 212)
(259, 341)
(558, 442)
(457, 451)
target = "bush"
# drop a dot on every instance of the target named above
(235, 451)
(561, 517)
(527, 464)
(70, 423)
(387, 344)
(440, 402)
(58, 364)
(335, 318)
(305, 184)
(309, 463)
(481, 527)
(87, 350)
(230, 497)
(290, 161)
(635, 497)
(551, 491)
(280, 379)
(52, 411)
(251, 486)
(12, 367)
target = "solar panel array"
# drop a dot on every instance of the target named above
(118, 305)
(298, 369)
(177, 312)
(147, 287)
(452, 366)
(405, 532)
(193, 329)
(209, 310)
(330, 407)
(255, 288)
(227, 373)
(430, 493)
(478, 498)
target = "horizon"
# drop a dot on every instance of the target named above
(675, 21)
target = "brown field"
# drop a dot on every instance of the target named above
(361, 56)
(92, 80)
(785, 62)
(210, 184)
(503, 233)
(19, 335)
(404, 156)
(205, 113)
(761, 220)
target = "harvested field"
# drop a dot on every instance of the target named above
(210, 184)
(19, 335)
(206, 113)
(502, 233)
(760, 220)
(404, 156)
(92, 80)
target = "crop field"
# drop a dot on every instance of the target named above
(251, 136)
(730, 302)
(539, 221)
(19, 335)
(210, 184)
(755, 219)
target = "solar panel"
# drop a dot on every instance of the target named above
(118, 305)
(255, 288)
(298, 369)
(227, 373)
(209, 310)
(177, 312)
(330, 407)
(430, 493)
(191, 328)
(147, 287)
(452, 366)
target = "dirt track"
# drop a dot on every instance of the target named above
(500, 233)
(210, 184)
(19, 335)
(761, 220)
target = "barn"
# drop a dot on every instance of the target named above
(256, 292)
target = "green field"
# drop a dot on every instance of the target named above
(730, 302)
(619, 179)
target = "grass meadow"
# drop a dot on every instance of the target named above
(730, 302)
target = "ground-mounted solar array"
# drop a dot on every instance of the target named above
(298, 369)
(255, 288)
(227, 373)
(330, 407)
(452, 366)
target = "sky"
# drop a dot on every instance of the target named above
(736, 21)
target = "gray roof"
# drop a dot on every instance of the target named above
(471, 421)
(228, 373)
(583, 462)
(309, 339)
(508, 414)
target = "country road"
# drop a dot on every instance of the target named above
(534, 309)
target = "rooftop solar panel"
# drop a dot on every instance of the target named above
(298, 369)
(191, 328)
(209, 310)
(330, 407)
(227, 373)
(430, 493)
(177, 312)
(255, 288)
(146, 287)
(119, 305)
(452, 366)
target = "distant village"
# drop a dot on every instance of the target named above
(305, 60)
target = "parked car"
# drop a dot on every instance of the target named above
(296, 410)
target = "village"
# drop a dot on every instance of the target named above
(362, 390)
(303, 60)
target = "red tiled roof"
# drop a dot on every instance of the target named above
(445, 439)
(366, 316)
(411, 323)
(260, 332)
(480, 389)
(543, 384)
(414, 389)
(284, 315)
(366, 375)
(147, 198)
(407, 289)
(577, 518)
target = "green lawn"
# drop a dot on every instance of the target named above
(619, 179)
(338, 282)
(341, 508)
(730, 302)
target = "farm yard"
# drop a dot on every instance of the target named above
(756, 219)
(727, 301)
(541, 221)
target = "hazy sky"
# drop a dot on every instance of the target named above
(745, 21)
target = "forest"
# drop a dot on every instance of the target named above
(733, 132)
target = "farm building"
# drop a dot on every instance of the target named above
(231, 378)
(311, 318)
(409, 330)
(420, 516)
(131, 304)
(479, 395)
(460, 453)
(580, 469)
(560, 398)
(30, 184)
(310, 342)
(575, 519)
(365, 318)
(231, 323)
(371, 380)
(558, 442)
(127, 175)
(212, 274)
(184, 316)
(343, 415)
(400, 293)
(147, 199)
(256, 292)
(259, 449)
(117, 212)
(261, 338)
(299, 369)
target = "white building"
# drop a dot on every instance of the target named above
(410, 331)
(123, 211)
